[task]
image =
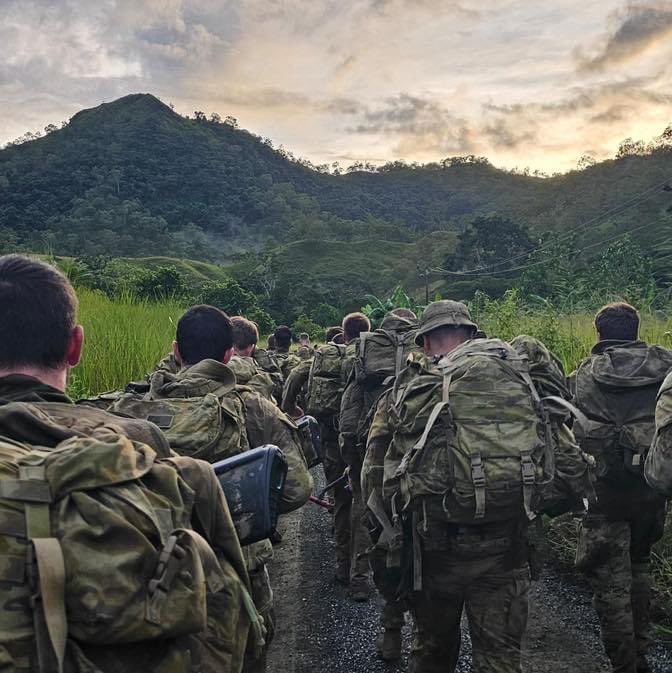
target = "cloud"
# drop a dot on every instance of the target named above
(639, 28)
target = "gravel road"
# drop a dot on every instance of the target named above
(320, 629)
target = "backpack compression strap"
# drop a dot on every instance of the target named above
(46, 566)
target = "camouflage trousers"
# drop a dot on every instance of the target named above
(387, 584)
(615, 558)
(489, 580)
(262, 595)
(334, 467)
(360, 540)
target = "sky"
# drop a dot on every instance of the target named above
(522, 82)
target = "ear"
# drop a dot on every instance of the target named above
(176, 353)
(228, 353)
(74, 354)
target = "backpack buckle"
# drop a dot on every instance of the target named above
(477, 472)
(167, 567)
(527, 469)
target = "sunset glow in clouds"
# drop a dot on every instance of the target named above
(524, 83)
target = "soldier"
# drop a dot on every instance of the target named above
(286, 360)
(203, 347)
(465, 540)
(305, 351)
(658, 467)
(40, 342)
(352, 539)
(359, 397)
(253, 366)
(616, 389)
(298, 379)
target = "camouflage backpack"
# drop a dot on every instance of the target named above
(616, 390)
(382, 354)
(473, 437)
(325, 385)
(658, 467)
(97, 551)
(210, 428)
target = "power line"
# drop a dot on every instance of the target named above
(544, 261)
(626, 205)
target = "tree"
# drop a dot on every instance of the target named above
(488, 240)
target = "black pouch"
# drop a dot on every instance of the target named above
(311, 441)
(253, 482)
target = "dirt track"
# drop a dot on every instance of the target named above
(320, 629)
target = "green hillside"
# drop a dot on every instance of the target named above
(132, 179)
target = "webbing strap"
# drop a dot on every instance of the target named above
(478, 480)
(399, 360)
(436, 411)
(528, 476)
(51, 569)
(25, 490)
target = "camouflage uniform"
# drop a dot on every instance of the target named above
(286, 361)
(266, 362)
(264, 424)
(57, 419)
(617, 534)
(658, 467)
(250, 375)
(294, 392)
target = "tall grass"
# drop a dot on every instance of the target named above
(124, 339)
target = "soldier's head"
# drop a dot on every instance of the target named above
(444, 326)
(617, 321)
(203, 333)
(404, 313)
(271, 342)
(332, 332)
(39, 334)
(245, 336)
(304, 339)
(283, 338)
(353, 325)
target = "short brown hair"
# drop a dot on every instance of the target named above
(618, 321)
(331, 332)
(245, 332)
(203, 333)
(38, 311)
(354, 324)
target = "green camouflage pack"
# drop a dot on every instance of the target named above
(382, 354)
(250, 375)
(99, 531)
(616, 390)
(658, 466)
(475, 440)
(325, 385)
(207, 427)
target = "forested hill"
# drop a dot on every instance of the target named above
(132, 177)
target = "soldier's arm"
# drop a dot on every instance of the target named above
(352, 407)
(658, 465)
(266, 424)
(295, 382)
(379, 439)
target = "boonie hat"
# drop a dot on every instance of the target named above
(443, 313)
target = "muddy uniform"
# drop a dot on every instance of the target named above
(264, 424)
(57, 419)
(619, 381)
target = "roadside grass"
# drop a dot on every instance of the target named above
(124, 339)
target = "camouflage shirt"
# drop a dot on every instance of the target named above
(658, 466)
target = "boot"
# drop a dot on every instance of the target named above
(388, 645)
(359, 591)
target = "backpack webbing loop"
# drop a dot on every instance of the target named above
(528, 475)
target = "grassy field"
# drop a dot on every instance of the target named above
(123, 341)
